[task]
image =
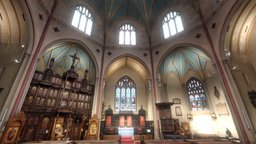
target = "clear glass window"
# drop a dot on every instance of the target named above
(127, 35)
(172, 24)
(82, 20)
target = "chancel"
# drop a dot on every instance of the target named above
(128, 71)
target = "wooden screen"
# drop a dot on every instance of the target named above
(142, 121)
(121, 121)
(129, 121)
(108, 121)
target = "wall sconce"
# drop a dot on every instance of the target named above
(213, 115)
(189, 116)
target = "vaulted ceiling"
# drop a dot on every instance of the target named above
(62, 52)
(147, 13)
(183, 59)
(144, 11)
(128, 62)
(241, 32)
(13, 32)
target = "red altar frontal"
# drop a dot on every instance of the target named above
(126, 123)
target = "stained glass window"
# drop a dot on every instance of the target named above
(196, 94)
(125, 95)
(82, 19)
(127, 35)
(172, 24)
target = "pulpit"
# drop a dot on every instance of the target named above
(169, 126)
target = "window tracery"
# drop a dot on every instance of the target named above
(196, 94)
(82, 19)
(127, 35)
(125, 94)
(172, 24)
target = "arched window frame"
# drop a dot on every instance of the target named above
(82, 19)
(172, 24)
(127, 35)
(125, 95)
(196, 94)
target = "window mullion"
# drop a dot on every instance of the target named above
(125, 97)
(86, 22)
(175, 23)
(130, 37)
(119, 103)
(130, 98)
(124, 36)
(80, 16)
(169, 28)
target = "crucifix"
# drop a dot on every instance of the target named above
(74, 57)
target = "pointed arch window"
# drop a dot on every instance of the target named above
(172, 24)
(127, 35)
(196, 93)
(82, 19)
(125, 95)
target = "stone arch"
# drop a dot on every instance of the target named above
(135, 60)
(133, 67)
(175, 47)
(237, 49)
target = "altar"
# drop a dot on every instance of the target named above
(126, 123)
(126, 131)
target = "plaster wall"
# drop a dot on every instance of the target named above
(245, 84)
(222, 121)
(176, 90)
(116, 53)
(251, 51)
(208, 125)
(13, 33)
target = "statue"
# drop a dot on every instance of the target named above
(51, 62)
(49, 72)
(74, 59)
(58, 132)
(85, 74)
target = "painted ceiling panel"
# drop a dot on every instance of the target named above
(62, 53)
(183, 59)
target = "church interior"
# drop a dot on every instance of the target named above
(128, 71)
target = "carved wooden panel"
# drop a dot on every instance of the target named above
(13, 129)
